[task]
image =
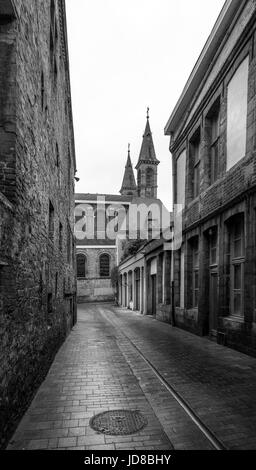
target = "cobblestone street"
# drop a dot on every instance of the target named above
(109, 362)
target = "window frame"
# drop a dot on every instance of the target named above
(195, 158)
(194, 246)
(213, 123)
(82, 255)
(106, 255)
(236, 261)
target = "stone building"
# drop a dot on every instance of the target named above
(99, 252)
(145, 279)
(37, 166)
(96, 253)
(213, 142)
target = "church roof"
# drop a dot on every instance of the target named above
(109, 198)
(129, 183)
(147, 152)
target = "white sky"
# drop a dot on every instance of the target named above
(125, 56)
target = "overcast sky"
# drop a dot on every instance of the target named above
(125, 56)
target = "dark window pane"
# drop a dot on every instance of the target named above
(237, 304)
(80, 263)
(104, 266)
(214, 161)
(238, 277)
(213, 256)
(196, 280)
(196, 299)
(237, 248)
(196, 180)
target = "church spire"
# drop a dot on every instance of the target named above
(147, 165)
(129, 187)
(147, 152)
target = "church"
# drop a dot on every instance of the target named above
(98, 251)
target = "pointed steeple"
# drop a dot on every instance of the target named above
(147, 165)
(129, 187)
(147, 152)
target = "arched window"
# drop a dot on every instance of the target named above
(81, 262)
(104, 265)
(149, 177)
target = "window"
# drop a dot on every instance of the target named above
(51, 221)
(181, 178)
(213, 122)
(104, 265)
(195, 271)
(81, 266)
(237, 97)
(213, 241)
(194, 147)
(149, 177)
(149, 182)
(237, 258)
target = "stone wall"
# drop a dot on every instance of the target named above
(37, 164)
(233, 192)
(93, 288)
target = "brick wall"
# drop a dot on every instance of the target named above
(35, 117)
(232, 193)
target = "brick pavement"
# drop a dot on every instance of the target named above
(217, 382)
(89, 375)
(98, 369)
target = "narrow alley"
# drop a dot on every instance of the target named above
(192, 393)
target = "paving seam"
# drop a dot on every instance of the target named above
(132, 372)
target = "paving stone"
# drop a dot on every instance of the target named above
(97, 369)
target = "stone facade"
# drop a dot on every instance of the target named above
(215, 269)
(92, 285)
(37, 167)
(145, 281)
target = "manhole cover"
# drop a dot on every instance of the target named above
(118, 422)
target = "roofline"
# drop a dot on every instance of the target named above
(218, 32)
(65, 33)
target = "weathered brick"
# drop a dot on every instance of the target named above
(33, 120)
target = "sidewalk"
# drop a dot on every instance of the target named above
(88, 376)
